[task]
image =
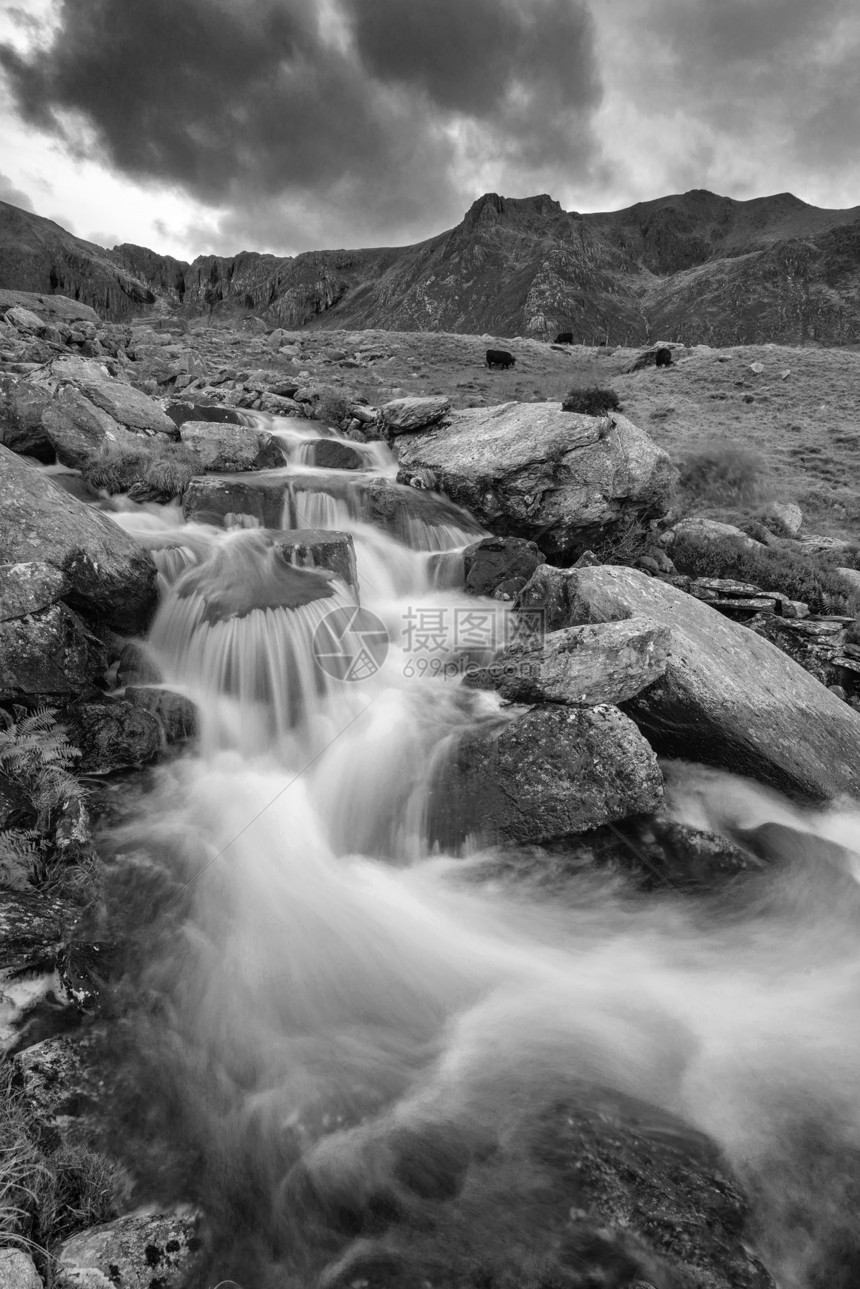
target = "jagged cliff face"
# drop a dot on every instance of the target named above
(38, 255)
(697, 267)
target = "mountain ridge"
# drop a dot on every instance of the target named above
(694, 266)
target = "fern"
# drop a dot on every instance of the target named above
(37, 757)
(19, 855)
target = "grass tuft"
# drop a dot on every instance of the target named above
(591, 402)
(725, 475)
(164, 467)
(773, 568)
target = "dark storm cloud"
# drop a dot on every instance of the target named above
(14, 196)
(357, 108)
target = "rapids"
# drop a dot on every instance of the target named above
(325, 982)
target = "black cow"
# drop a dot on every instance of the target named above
(500, 358)
(663, 357)
(564, 338)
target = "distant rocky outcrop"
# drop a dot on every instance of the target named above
(692, 266)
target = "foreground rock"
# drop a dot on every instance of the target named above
(581, 666)
(108, 575)
(545, 774)
(135, 1252)
(727, 697)
(231, 448)
(530, 470)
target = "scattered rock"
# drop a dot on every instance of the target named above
(727, 697)
(231, 448)
(495, 560)
(580, 666)
(757, 368)
(552, 771)
(25, 320)
(785, 518)
(530, 470)
(111, 576)
(136, 1252)
(710, 530)
(409, 415)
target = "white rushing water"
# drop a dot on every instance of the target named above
(338, 980)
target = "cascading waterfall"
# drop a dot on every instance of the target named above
(334, 983)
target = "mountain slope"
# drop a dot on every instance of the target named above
(697, 267)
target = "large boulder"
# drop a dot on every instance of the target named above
(546, 773)
(110, 576)
(727, 697)
(231, 448)
(531, 470)
(581, 666)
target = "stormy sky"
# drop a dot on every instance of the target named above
(287, 125)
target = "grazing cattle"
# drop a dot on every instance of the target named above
(663, 358)
(500, 358)
(564, 338)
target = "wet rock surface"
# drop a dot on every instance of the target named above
(113, 734)
(580, 666)
(548, 772)
(308, 548)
